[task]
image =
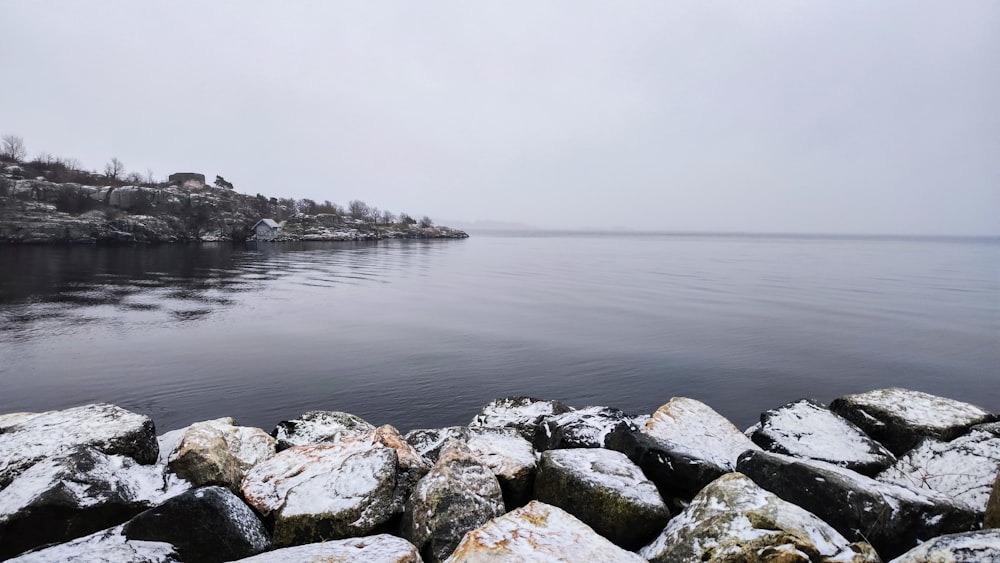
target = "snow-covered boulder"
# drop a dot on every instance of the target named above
(684, 446)
(381, 548)
(106, 546)
(807, 429)
(318, 427)
(26, 438)
(963, 469)
(890, 517)
(457, 495)
(326, 491)
(503, 450)
(992, 517)
(524, 414)
(605, 490)
(74, 494)
(899, 418)
(205, 525)
(732, 519)
(540, 533)
(980, 546)
(583, 428)
(217, 452)
(410, 465)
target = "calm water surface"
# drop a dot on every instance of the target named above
(423, 333)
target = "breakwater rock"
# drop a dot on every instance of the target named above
(887, 474)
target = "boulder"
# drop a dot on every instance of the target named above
(317, 427)
(26, 438)
(382, 548)
(410, 465)
(326, 491)
(684, 446)
(523, 414)
(982, 546)
(457, 495)
(992, 517)
(733, 520)
(205, 525)
(605, 490)
(807, 429)
(106, 546)
(892, 518)
(584, 428)
(899, 418)
(217, 452)
(77, 493)
(503, 450)
(963, 469)
(541, 533)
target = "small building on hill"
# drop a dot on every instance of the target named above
(187, 179)
(266, 229)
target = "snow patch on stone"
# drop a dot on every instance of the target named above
(381, 548)
(980, 546)
(106, 546)
(609, 470)
(695, 429)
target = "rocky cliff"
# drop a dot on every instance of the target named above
(41, 211)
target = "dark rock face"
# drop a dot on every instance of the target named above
(605, 490)
(457, 495)
(675, 473)
(60, 499)
(582, 428)
(181, 177)
(523, 414)
(318, 427)
(807, 429)
(899, 418)
(992, 517)
(26, 438)
(982, 546)
(892, 518)
(205, 525)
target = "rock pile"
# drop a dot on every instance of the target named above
(887, 474)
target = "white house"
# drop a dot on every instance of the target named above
(266, 229)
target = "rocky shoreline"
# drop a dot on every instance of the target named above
(887, 475)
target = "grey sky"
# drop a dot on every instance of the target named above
(831, 116)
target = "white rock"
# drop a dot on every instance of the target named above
(107, 546)
(521, 413)
(317, 427)
(732, 519)
(963, 469)
(539, 533)
(381, 548)
(980, 546)
(691, 427)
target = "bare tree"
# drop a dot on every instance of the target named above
(114, 169)
(406, 219)
(150, 178)
(425, 222)
(388, 218)
(12, 148)
(373, 215)
(358, 209)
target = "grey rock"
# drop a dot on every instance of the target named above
(205, 525)
(327, 491)
(980, 546)
(77, 493)
(892, 518)
(106, 546)
(583, 428)
(605, 490)
(317, 427)
(381, 548)
(992, 517)
(457, 495)
(733, 520)
(429, 441)
(26, 438)
(899, 418)
(523, 414)
(807, 429)
(963, 469)
(217, 452)
(538, 532)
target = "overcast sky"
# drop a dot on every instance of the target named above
(831, 116)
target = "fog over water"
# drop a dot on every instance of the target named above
(423, 333)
